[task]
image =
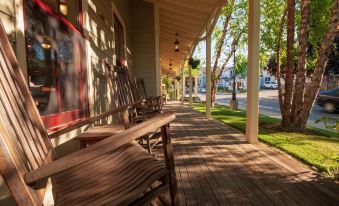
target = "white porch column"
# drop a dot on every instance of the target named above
(157, 48)
(183, 85)
(195, 86)
(208, 74)
(253, 72)
(177, 89)
(190, 85)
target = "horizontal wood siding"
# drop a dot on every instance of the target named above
(101, 40)
(144, 44)
(103, 89)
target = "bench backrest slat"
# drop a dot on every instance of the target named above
(141, 89)
(24, 142)
(124, 87)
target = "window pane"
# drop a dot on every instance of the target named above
(68, 73)
(53, 57)
(70, 10)
(53, 4)
(41, 61)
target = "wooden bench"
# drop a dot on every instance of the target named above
(114, 171)
(135, 110)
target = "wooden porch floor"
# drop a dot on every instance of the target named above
(215, 166)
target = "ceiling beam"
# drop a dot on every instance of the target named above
(180, 10)
(180, 24)
(206, 8)
(182, 18)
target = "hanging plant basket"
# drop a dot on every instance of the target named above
(194, 63)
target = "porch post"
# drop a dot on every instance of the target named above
(253, 72)
(190, 85)
(178, 90)
(208, 73)
(157, 48)
(183, 85)
(195, 86)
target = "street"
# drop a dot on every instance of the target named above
(269, 105)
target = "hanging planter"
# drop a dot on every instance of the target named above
(194, 63)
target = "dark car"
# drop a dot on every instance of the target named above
(329, 100)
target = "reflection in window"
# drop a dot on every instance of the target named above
(69, 9)
(53, 60)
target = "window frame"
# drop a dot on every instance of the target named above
(122, 22)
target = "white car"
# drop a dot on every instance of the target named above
(271, 85)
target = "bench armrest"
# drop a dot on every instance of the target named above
(98, 149)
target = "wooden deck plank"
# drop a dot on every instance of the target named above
(256, 196)
(200, 175)
(215, 166)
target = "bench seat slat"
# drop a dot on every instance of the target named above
(109, 182)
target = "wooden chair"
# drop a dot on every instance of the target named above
(115, 171)
(152, 104)
(135, 112)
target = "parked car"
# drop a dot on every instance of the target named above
(329, 100)
(271, 85)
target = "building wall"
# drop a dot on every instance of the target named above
(144, 64)
(100, 51)
(138, 20)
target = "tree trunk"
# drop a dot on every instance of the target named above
(234, 95)
(213, 90)
(325, 49)
(219, 48)
(301, 69)
(222, 68)
(278, 70)
(286, 110)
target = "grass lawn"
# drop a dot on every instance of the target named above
(318, 148)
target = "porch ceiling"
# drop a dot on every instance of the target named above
(187, 18)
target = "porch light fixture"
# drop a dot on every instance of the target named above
(63, 7)
(46, 44)
(176, 43)
(170, 64)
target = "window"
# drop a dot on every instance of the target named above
(55, 68)
(68, 9)
(119, 42)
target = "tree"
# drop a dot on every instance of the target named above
(234, 23)
(241, 66)
(297, 100)
(324, 51)
(286, 105)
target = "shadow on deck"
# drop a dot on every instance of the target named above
(216, 166)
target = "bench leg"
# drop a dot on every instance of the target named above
(168, 153)
(82, 144)
(149, 146)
